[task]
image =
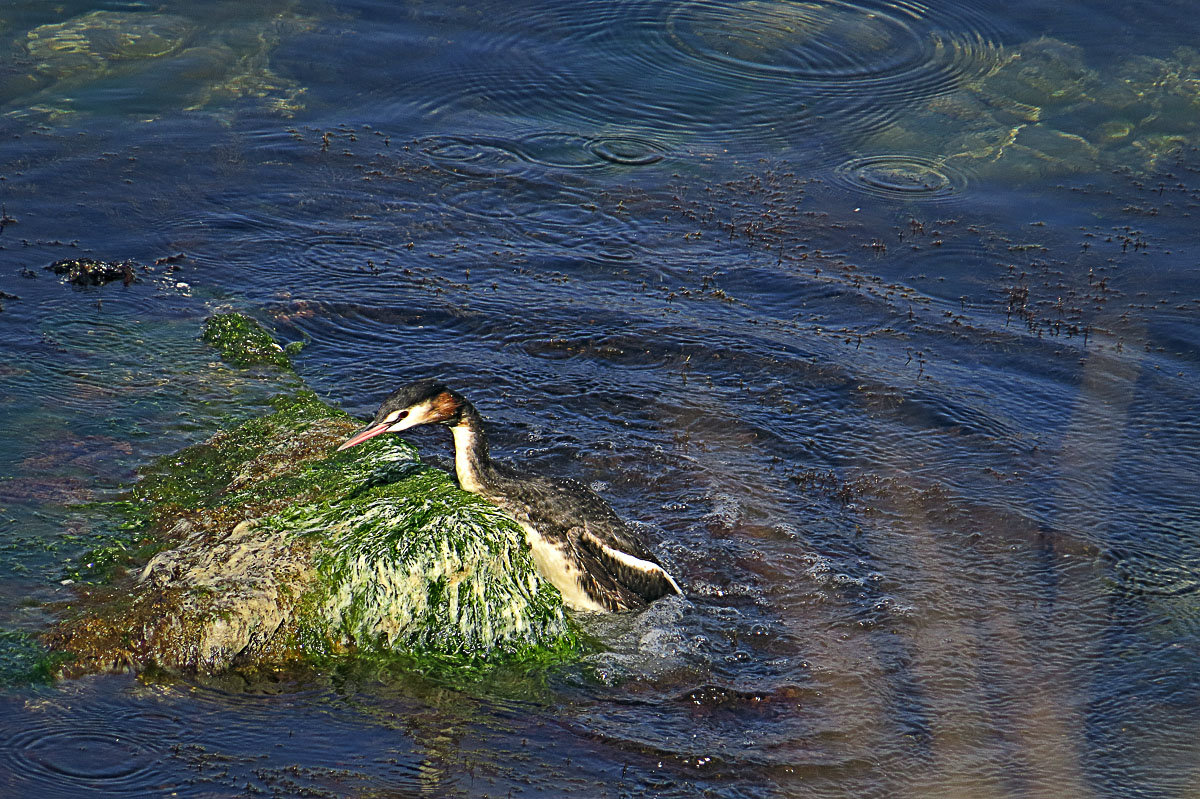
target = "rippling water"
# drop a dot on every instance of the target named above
(881, 318)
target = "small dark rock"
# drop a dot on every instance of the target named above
(90, 272)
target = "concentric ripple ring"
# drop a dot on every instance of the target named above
(899, 176)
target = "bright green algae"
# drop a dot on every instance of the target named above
(273, 547)
(243, 342)
(419, 566)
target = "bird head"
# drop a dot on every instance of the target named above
(423, 402)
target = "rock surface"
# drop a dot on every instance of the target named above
(243, 342)
(273, 547)
(90, 272)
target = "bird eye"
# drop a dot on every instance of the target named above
(402, 415)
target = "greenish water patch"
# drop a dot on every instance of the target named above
(24, 659)
(96, 41)
(118, 375)
(133, 60)
(1047, 109)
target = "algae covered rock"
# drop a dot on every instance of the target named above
(243, 342)
(273, 547)
(421, 565)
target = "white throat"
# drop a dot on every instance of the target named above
(464, 464)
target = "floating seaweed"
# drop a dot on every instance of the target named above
(90, 272)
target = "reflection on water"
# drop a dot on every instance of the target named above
(878, 316)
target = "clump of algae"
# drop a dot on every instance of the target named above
(243, 342)
(421, 566)
(24, 659)
(274, 548)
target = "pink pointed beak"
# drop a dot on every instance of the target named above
(362, 435)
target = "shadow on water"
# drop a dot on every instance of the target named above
(898, 375)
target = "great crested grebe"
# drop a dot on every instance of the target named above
(595, 560)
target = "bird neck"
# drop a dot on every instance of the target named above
(472, 463)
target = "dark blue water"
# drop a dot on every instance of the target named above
(882, 317)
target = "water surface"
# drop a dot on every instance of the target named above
(881, 317)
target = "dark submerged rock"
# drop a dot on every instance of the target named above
(90, 272)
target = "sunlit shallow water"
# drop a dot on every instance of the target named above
(880, 317)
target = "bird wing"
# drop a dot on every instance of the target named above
(644, 577)
(627, 570)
